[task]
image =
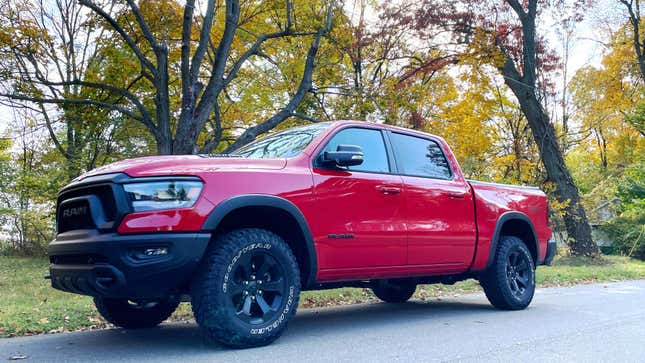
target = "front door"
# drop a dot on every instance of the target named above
(360, 222)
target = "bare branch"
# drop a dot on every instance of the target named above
(635, 20)
(217, 137)
(214, 86)
(305, 86)
(142, 24)
(255, 48)
(305, 117)
(186, 81)
(50, 129)
(83, 101)
(145, 62)
(517, 7)
(204, 37)
(117, 90)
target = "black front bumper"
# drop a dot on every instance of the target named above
(551, 249)
(125, 266)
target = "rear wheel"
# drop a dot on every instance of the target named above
(394, 291)
(509, 283)
(247, 288)
(135, 314)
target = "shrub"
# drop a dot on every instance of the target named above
(628, 229)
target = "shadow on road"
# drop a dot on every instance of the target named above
(359, 317)
(173, 339)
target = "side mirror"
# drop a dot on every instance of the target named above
(345, 155)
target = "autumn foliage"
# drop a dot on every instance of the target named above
(92, 82)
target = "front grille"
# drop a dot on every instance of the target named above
(103, 192)
(94, 204)
(75, 214)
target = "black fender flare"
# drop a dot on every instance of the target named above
(264, 200)
(506, 217)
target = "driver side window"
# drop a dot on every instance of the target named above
(371, 141)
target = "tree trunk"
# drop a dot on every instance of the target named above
(523, 86)
(162, 102)
(575, 218)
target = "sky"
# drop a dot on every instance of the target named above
(586, 51)
(6, 116)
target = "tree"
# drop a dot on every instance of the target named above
(637, 118)
(207, 65)
(515, 158)
(46, 49)
(633, 9)
(28, 186)
(199, 100)
(508, 40)
(606, 100)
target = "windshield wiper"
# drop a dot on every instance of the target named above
(220, 155)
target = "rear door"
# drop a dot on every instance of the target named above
(360, 220)
(440, 211)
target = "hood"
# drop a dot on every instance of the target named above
(183, 165)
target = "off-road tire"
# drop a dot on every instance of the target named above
(135, 315)
(219, 283)
(394, 291)
(497, 280)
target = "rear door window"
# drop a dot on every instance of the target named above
(417, 156)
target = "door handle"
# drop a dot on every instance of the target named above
(388, 189)
(456, 195)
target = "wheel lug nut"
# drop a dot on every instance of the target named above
(259, 292)
(259, 282)
(252, 277)
(245, 282)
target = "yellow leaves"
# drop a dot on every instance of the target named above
(6, 37)
(481, 51)
(463, 125)
(558, 208)
(22, 34)
(603, 97)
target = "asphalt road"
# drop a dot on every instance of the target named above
(592, 323)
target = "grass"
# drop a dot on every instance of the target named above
(28, 305)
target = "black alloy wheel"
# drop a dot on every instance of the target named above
(518, 272)
(258, 287)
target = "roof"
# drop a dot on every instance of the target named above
(385, 126)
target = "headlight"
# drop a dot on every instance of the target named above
(158, 195)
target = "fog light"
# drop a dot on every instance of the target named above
(155, 251)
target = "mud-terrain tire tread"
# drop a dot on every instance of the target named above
(494, 279)
(215, 326)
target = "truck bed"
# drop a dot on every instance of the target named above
(495, 201)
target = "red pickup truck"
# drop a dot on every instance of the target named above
(328, 205)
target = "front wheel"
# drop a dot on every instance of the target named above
(135, 314)
(509, 283)
(247, 288)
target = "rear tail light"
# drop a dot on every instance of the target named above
(548, 214)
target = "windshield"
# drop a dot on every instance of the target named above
(284, 144)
